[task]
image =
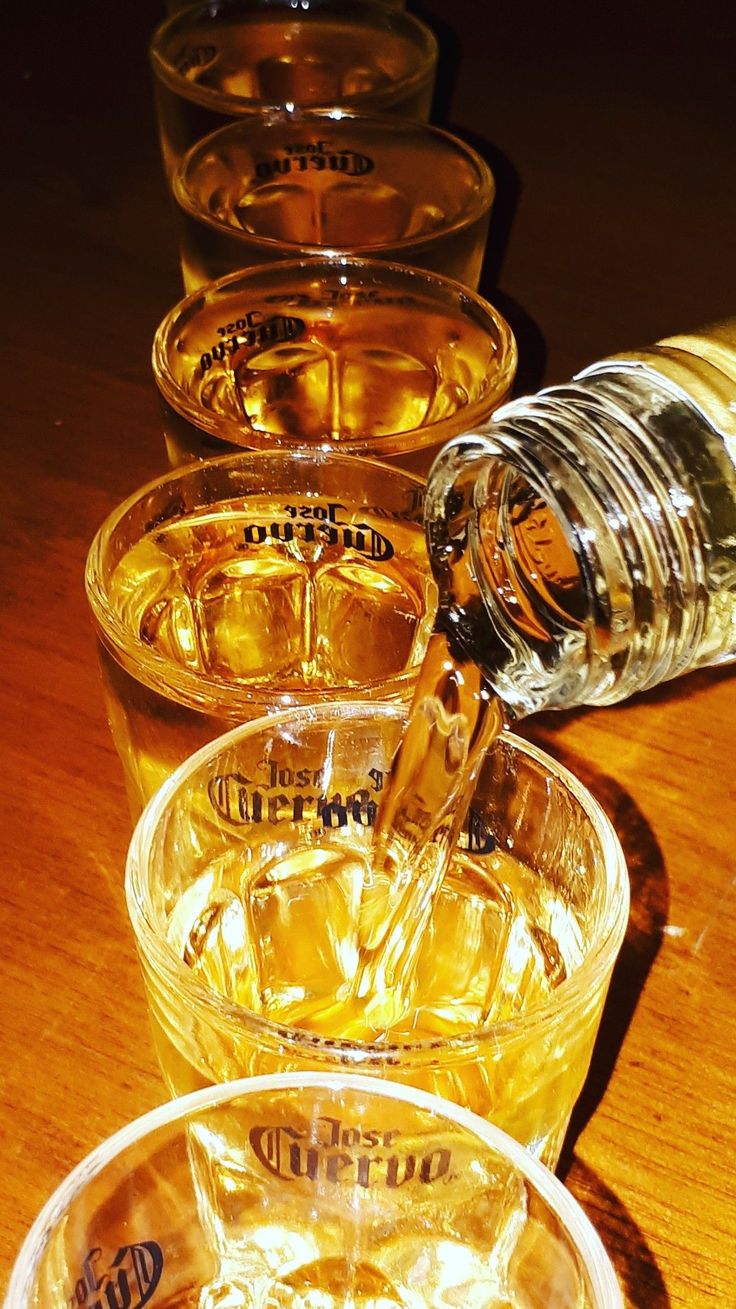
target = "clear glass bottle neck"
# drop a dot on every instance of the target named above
(568, 543)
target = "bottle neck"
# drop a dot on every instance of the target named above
(567, 545)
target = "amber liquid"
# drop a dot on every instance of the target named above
(292, 190)
(330, 366)
(286, 939)
(282, 61)
(321, 604)
(325, 209)
(399, 940)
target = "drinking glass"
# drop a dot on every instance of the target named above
(352, 355)
(284, 186)
(238, 586)
(300, 1190)
(254, 904)
(226, 59)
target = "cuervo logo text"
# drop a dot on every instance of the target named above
(320, 524)
(347, 1155)
(256, 333)
(126, 1282)
(284, 793)
(317, 156)
(287, 795)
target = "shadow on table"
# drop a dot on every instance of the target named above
(636, 1267)
(531, 342)
(647, 918)
(449, 59)
(529, 338)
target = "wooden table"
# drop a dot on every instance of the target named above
(615, 225)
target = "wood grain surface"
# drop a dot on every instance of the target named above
(610, 129)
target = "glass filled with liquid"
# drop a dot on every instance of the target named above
(282, 186)
(354, 355)
(260, 908)
(234, 58)
(243, 585)
(310, 1190)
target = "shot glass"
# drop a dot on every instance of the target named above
(285, 186)
(352, 355)
(296, 1190)
(253, 902)
(228, 59)
(238, 586)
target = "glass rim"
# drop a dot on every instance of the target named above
(561, 1202)
(482, 313)
(574, 988)
(479, 201)
(392, 20)
(195, 689)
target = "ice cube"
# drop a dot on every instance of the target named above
(366, 621)
(253, 616)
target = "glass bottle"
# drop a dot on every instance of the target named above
(584, 539)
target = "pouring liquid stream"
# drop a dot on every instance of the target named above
(454, 719)
(400, 942)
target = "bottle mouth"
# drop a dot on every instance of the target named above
(568, 540)
(532, 581)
